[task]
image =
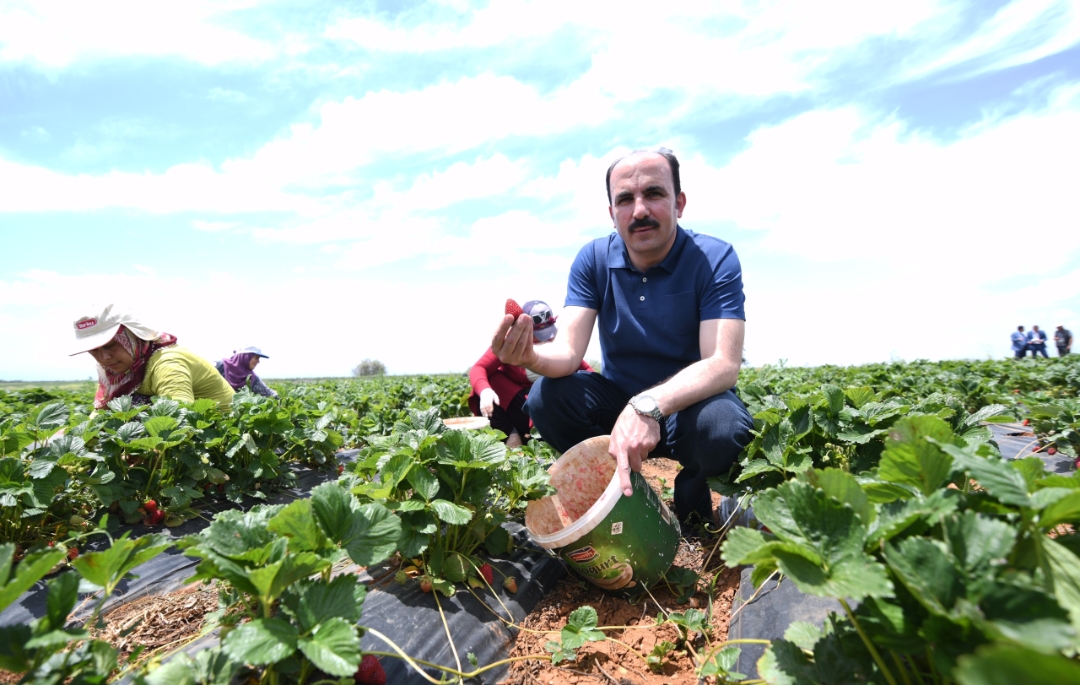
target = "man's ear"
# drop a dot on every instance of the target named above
(611, 213)
(680, 202)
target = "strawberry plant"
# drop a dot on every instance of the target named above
(944, 576)
(48, 650)
(453, 490)
(833, 427)
(276, 563)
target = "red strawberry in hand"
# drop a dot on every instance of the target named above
(370, 672)
(513, 308)
(487, 573)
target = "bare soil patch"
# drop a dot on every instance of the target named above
(161, 622)
(615, 663)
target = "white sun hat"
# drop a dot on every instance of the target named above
(91, 332)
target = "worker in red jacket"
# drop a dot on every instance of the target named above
(499, 390)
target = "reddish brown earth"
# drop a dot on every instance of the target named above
(619, 664)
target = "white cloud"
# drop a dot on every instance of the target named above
(440, 119)
(1018, 33)
(838, 184)
(225, 95)
(36, 133)
(63, 32)
(183, 187)
(212, 226)
(928, 231)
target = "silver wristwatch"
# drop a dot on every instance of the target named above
(646, 406)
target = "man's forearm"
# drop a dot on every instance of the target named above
(699, 381)
(554, 361)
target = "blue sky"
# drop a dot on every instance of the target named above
(336, 182)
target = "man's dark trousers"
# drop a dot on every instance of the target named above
(706, 438)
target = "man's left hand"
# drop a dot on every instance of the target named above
(632, 438)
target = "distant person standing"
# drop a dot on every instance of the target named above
(1019, 342)
(1063, 340)
(1037, 342)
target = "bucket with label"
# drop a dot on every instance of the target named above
(619, 543)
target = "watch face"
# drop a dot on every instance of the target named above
(645, 404)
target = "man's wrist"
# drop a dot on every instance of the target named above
(646, 405)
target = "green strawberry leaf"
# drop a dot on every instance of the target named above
(333, 647)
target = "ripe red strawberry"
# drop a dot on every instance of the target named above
(487, 572)
(510, 584)
(513, 308)
(155, 517)
(73, 552)
(1051, 451)
(370, 672)
(150, 505)
(1027, 422)
(340, 469)
(52, 543)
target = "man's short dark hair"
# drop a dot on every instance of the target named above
(663, 152)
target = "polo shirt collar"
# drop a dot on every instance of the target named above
(618, 259)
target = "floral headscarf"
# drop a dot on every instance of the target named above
(112, 385)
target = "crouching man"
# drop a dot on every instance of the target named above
(669, 303)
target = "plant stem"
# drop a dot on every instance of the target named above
(446, 627)
(869, 645)
(900, 667)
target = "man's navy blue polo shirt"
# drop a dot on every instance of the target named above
(649, 322)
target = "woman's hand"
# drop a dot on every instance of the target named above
(488, 400)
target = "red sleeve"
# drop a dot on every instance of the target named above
(585, 367)
(481, 371)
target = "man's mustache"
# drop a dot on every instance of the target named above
(646, 222)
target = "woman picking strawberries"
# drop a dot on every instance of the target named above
(134, 359)
(499, 390)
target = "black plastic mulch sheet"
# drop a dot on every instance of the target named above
(167, 571)
(410, 618)
(1015, 442)
(407, 616)
(768, 615)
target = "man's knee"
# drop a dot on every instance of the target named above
(725, 417)
(543, 395)
(713, 432)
